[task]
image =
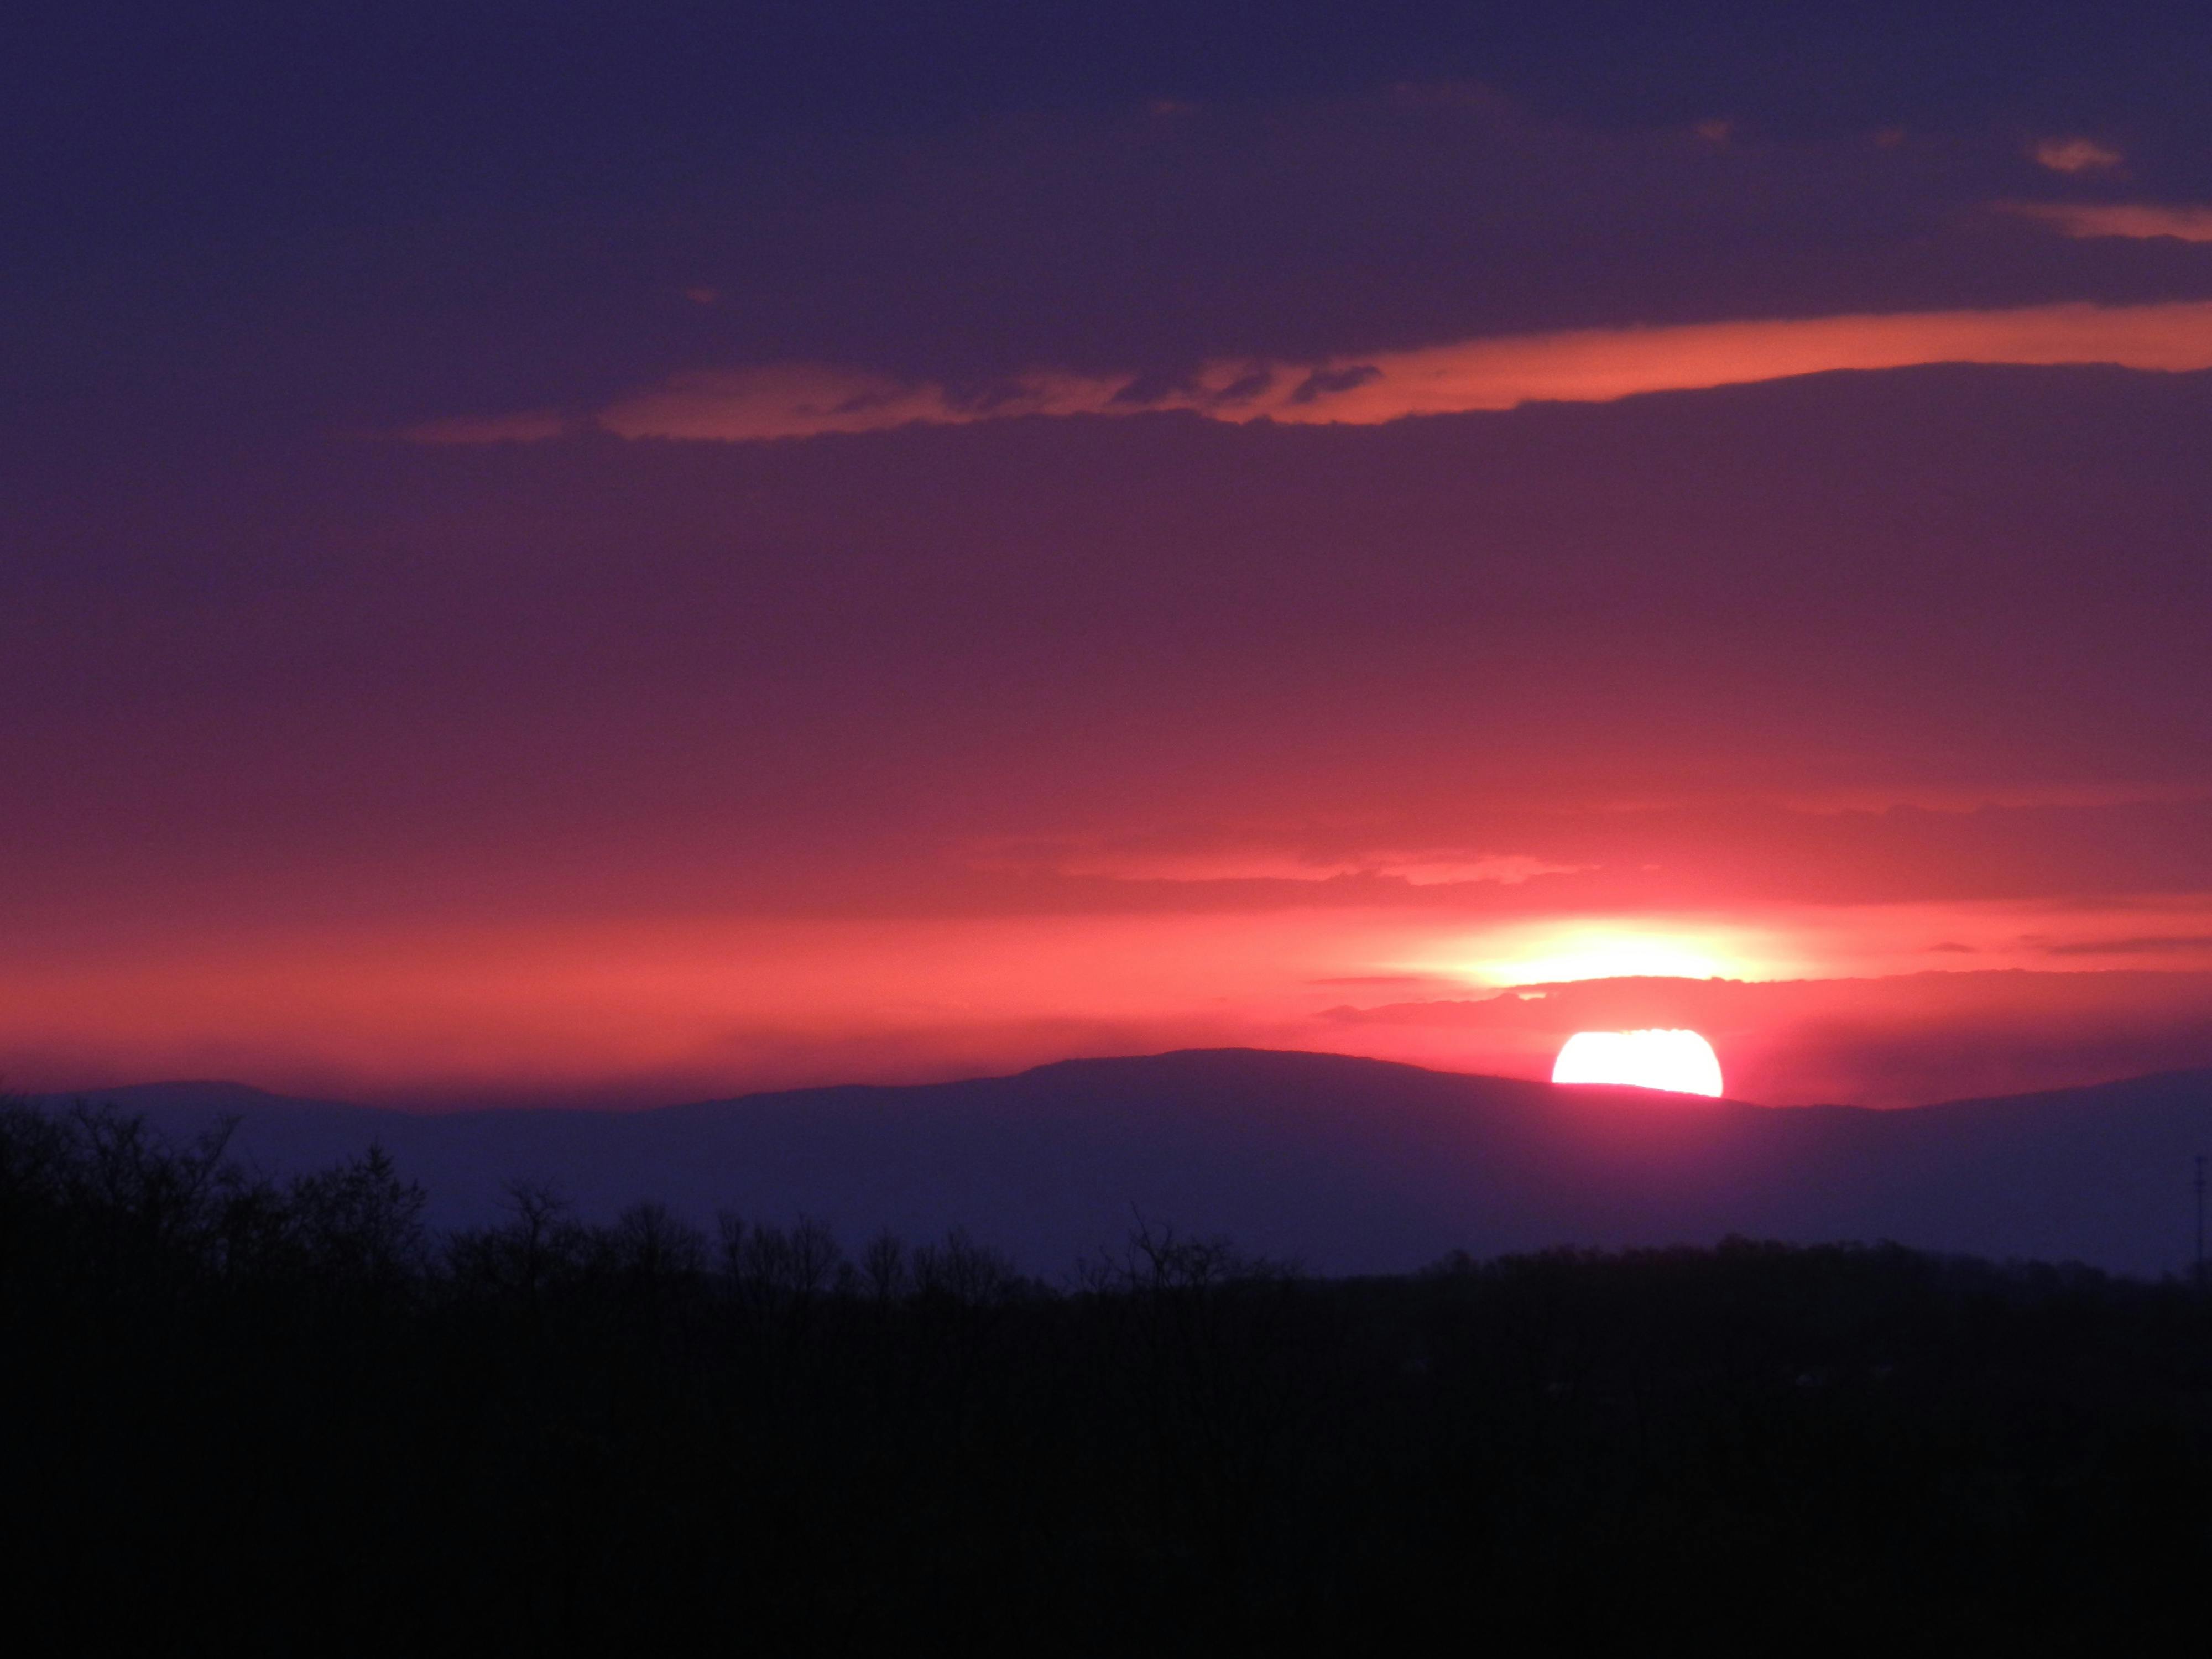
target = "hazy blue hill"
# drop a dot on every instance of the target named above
(1349, 1165)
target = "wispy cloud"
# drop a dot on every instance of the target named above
(525, 427)
(1431, 867)
(2076, 155)
(800, 400)
(2156, 945)
(2089, 220)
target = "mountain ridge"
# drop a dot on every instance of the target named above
(1348, 1163)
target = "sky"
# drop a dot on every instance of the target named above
(615, 554)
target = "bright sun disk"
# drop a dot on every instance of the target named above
(1681, 1062)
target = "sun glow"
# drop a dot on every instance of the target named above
(1681, 1062)
(1552, 954)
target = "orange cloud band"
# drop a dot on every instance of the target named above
(799, 400)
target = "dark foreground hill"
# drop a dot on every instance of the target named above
(238, 1416)
(1347, 1164)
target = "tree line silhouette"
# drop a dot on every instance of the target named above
(286, 1416)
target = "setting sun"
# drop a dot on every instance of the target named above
(1681, 1062)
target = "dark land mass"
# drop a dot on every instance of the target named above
(281, 1417)
(1349, 1166)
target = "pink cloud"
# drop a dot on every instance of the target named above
(2087, 220)
(1600, 365)
(806, 400)
(1415, 867)
(2076, 155)
(802, 400)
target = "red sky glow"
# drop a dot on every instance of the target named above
(1406, 564)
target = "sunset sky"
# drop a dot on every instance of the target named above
(617, 553)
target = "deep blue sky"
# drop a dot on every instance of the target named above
(370, 212)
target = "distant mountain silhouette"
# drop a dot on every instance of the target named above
(1346, 1165)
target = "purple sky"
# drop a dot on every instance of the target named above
(640, 551)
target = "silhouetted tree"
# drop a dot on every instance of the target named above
(282, 1416)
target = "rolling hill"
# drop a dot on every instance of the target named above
(1348, 1165)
